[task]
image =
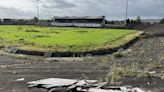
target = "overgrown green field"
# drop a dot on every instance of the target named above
(64, 39)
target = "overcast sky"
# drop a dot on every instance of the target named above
(112, 9)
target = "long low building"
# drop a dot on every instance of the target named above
(79, 21)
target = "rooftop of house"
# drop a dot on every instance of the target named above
(79, 17)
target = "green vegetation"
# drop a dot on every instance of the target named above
(64, 39)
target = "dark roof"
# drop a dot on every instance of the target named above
(79, 17)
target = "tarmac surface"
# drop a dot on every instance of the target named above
(146, 50)
(12, 69)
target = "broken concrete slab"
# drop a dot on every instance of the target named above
(52, 82)
(20, 79)
(67, 85)
(69, 59)
(11, 50)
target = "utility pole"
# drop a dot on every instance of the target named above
(38, 9)
(126, 15)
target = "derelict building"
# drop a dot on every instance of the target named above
(79, 21)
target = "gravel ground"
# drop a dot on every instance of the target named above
(146, 51)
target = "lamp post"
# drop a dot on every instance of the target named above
(126, 15)
(38, 9)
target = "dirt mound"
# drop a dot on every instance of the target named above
(151, 31)
(160, 34)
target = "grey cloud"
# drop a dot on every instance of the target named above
(11, 12)
(58, 4)
(109, 8)
(146, 8)
(112, 9)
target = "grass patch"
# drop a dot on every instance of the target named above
(64, 39)
(120, 71)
